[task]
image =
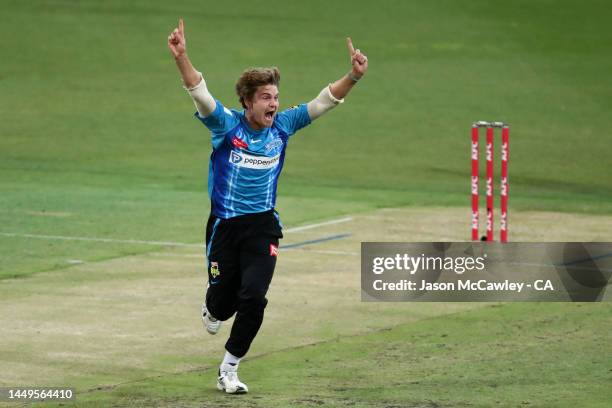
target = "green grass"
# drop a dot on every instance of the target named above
(97, 139)
(93, 120)
(536, 355)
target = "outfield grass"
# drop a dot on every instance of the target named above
(535, 355)
(93, 121)
(97, 140)
(114, 328)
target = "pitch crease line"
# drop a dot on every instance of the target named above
(156, 243)
(313, 241)
(319, 224)
(107, 240)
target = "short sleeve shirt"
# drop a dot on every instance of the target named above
(245, 164)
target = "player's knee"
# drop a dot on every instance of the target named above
(253, 301)
(222, 314)
(221, 310)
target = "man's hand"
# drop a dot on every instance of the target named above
(359, 66)
(176, 40)
(358, 60)
(178, 48)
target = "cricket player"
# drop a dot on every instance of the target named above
(243, 230)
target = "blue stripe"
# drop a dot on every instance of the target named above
(315, 241)
(217, 221)
(278, 219)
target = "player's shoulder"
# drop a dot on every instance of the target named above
(227, 111)
(221, 120)
(233, 117)
(293, 118)
(288, 114)
(291, 109)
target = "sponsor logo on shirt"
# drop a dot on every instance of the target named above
(240, 144)
(273, 250)
(248, 161)
(235, 158)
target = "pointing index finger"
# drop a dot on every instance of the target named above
(349, 43)
(181, 27)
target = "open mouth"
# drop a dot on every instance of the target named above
(269, 115)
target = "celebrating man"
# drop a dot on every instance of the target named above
(243, 231)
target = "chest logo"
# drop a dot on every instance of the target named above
(235, 158)
(248, 161)
(274, 144)
(239, 144)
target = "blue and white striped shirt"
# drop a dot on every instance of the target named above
(245, 164)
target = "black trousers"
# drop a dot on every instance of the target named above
(241, 254)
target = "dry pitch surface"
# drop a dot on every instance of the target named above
(125, 319)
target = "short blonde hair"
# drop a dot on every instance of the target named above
(253, 78)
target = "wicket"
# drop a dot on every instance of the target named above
(504, 192)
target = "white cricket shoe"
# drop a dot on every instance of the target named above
(228, 380)
(211, 324)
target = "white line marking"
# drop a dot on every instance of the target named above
(155, 243)
(320, 224)
(118, 241)
(175, 255)
(322, 251)
(201, 256)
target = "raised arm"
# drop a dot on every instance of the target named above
(334, 94)
(359, 66)
(192, 79)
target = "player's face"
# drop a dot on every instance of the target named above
(263, 107)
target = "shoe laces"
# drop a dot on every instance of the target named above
(232, 376)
